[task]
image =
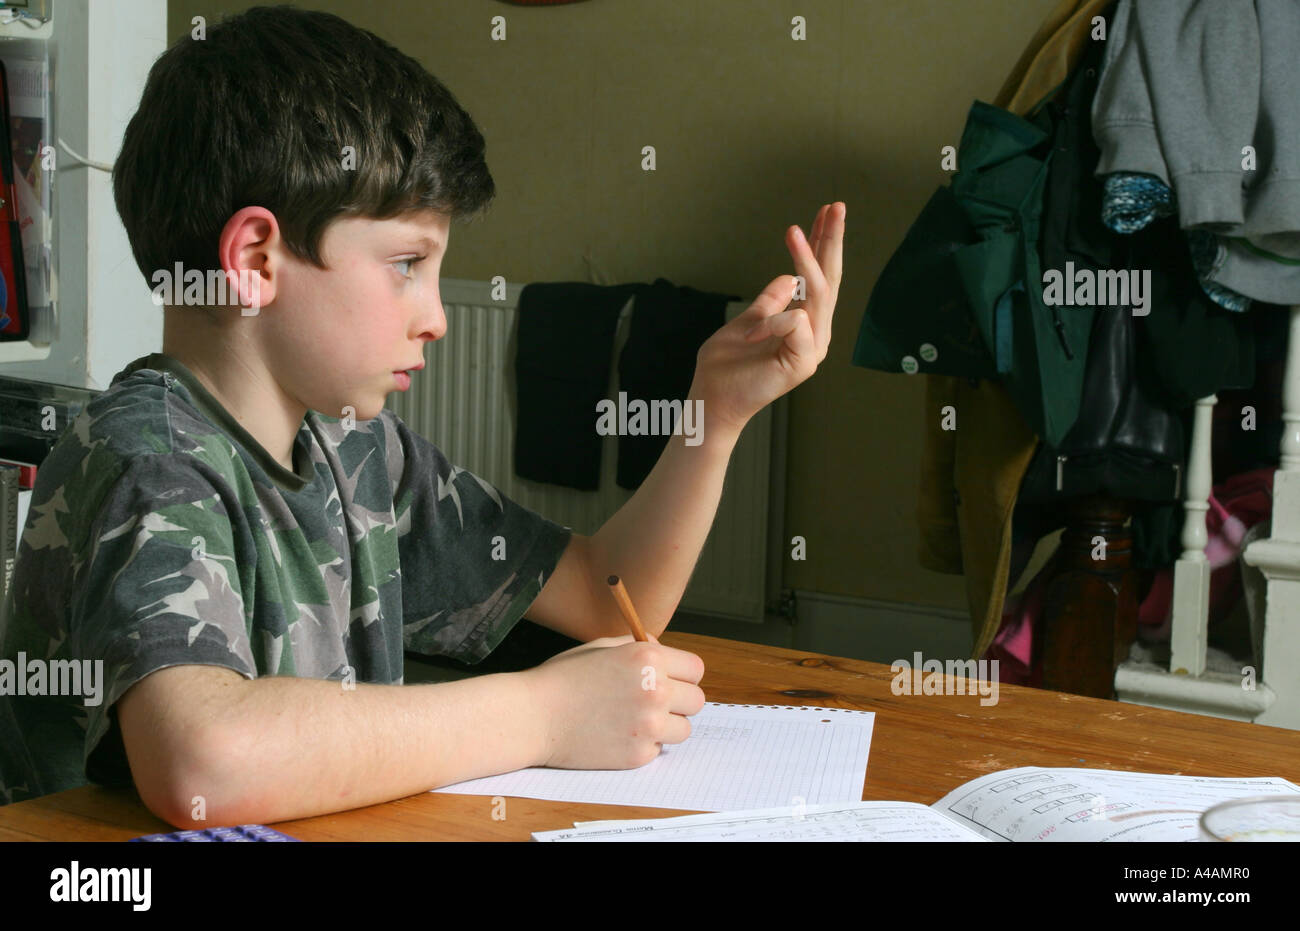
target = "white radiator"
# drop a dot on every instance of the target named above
(464, 402)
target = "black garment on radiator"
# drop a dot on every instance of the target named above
(565, 347)
(669, 324)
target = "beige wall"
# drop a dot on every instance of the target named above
(753, 131)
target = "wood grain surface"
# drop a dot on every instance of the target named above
(923, 747)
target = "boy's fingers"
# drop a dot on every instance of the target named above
(800, 338)
(687, 699)
(780, 325)
(676, 729)
(831, 257)
(830, 260)
(773, 299)
(827, 247)
(786, 322)
(789, 326)
(778, 294)
(806, 264)
(682, 665)
(819, 292)
(819, 229)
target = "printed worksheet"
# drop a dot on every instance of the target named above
(861, 822)
(1034, 804)
(738, 757)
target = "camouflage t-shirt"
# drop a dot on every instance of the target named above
(161, 533)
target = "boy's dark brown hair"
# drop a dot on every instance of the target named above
(258, 114)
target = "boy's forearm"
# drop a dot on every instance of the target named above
(654, 540)
(292, 748)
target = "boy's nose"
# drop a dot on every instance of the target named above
(434, 324)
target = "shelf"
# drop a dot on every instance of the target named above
(19, 30)
(23, 351)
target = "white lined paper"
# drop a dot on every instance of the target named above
(856, 821)
(738, 757)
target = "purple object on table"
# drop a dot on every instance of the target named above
(244, 833)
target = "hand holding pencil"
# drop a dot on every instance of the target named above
(613, 703)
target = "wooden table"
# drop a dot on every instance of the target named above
(923, 747)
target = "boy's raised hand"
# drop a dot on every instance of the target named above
(611, 703)
(769, 349)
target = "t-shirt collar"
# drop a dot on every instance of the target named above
(212, 409)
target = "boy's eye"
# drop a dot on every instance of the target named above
(407, 262)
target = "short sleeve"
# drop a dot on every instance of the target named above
(159, 583)
(472, 560)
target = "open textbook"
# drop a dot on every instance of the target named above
(1026, 804)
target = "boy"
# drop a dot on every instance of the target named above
(248, 571)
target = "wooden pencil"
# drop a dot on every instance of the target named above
(625, 605)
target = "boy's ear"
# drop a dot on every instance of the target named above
(251, 250)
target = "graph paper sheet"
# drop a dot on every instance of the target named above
(855, 821)
(738, 757)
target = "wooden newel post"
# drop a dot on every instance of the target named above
(1090, 607)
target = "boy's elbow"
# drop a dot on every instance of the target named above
(188, 764)
(165, 804)
(194, 782)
